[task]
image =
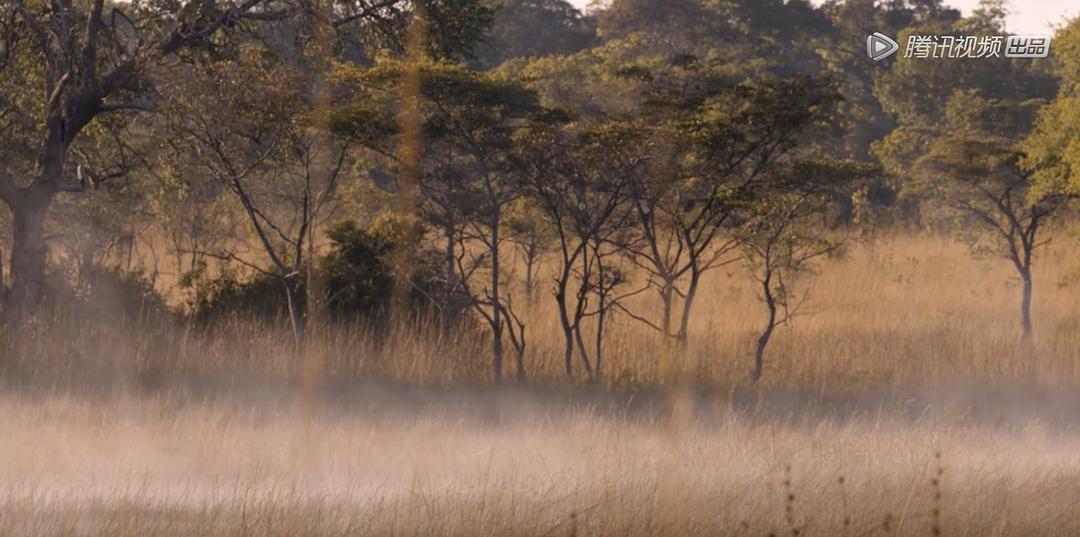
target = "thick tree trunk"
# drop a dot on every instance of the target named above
(28, 255)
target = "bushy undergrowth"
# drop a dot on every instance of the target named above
(359, 278)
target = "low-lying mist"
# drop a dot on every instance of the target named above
(503, 465)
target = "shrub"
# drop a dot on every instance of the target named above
(261, 296)
(360, 277)
(101, 293)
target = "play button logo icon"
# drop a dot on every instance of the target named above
(880, 46)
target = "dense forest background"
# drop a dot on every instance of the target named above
(516, 182)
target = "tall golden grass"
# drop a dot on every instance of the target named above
(898, 311)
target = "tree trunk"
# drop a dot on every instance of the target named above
(27, 255)
(516, 331)
(580, 339)
(601, 315)
(497, 353)
(297, 317)
(579, 315)
(564, 321)
(519, 358)
(688, 303)
(529, 254)
(450, 257)
(759, 353)
(448, 317)
(1025, 304)
(496, 305)
(666, 299)
(766, 334)
(599, 343)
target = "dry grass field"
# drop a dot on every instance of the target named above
(892, 312)
(903, 405)
(139, 468)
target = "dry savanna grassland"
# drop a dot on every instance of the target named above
(903, 402)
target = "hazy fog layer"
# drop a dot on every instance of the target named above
(143, 468)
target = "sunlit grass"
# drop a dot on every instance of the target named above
(895, 312)
(912, 351)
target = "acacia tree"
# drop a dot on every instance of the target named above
(715, 140)
(973, 170)
(778, 245)
(246, 123)
(579, 177)
(470, 125)
(479, 120)
(784, 229)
